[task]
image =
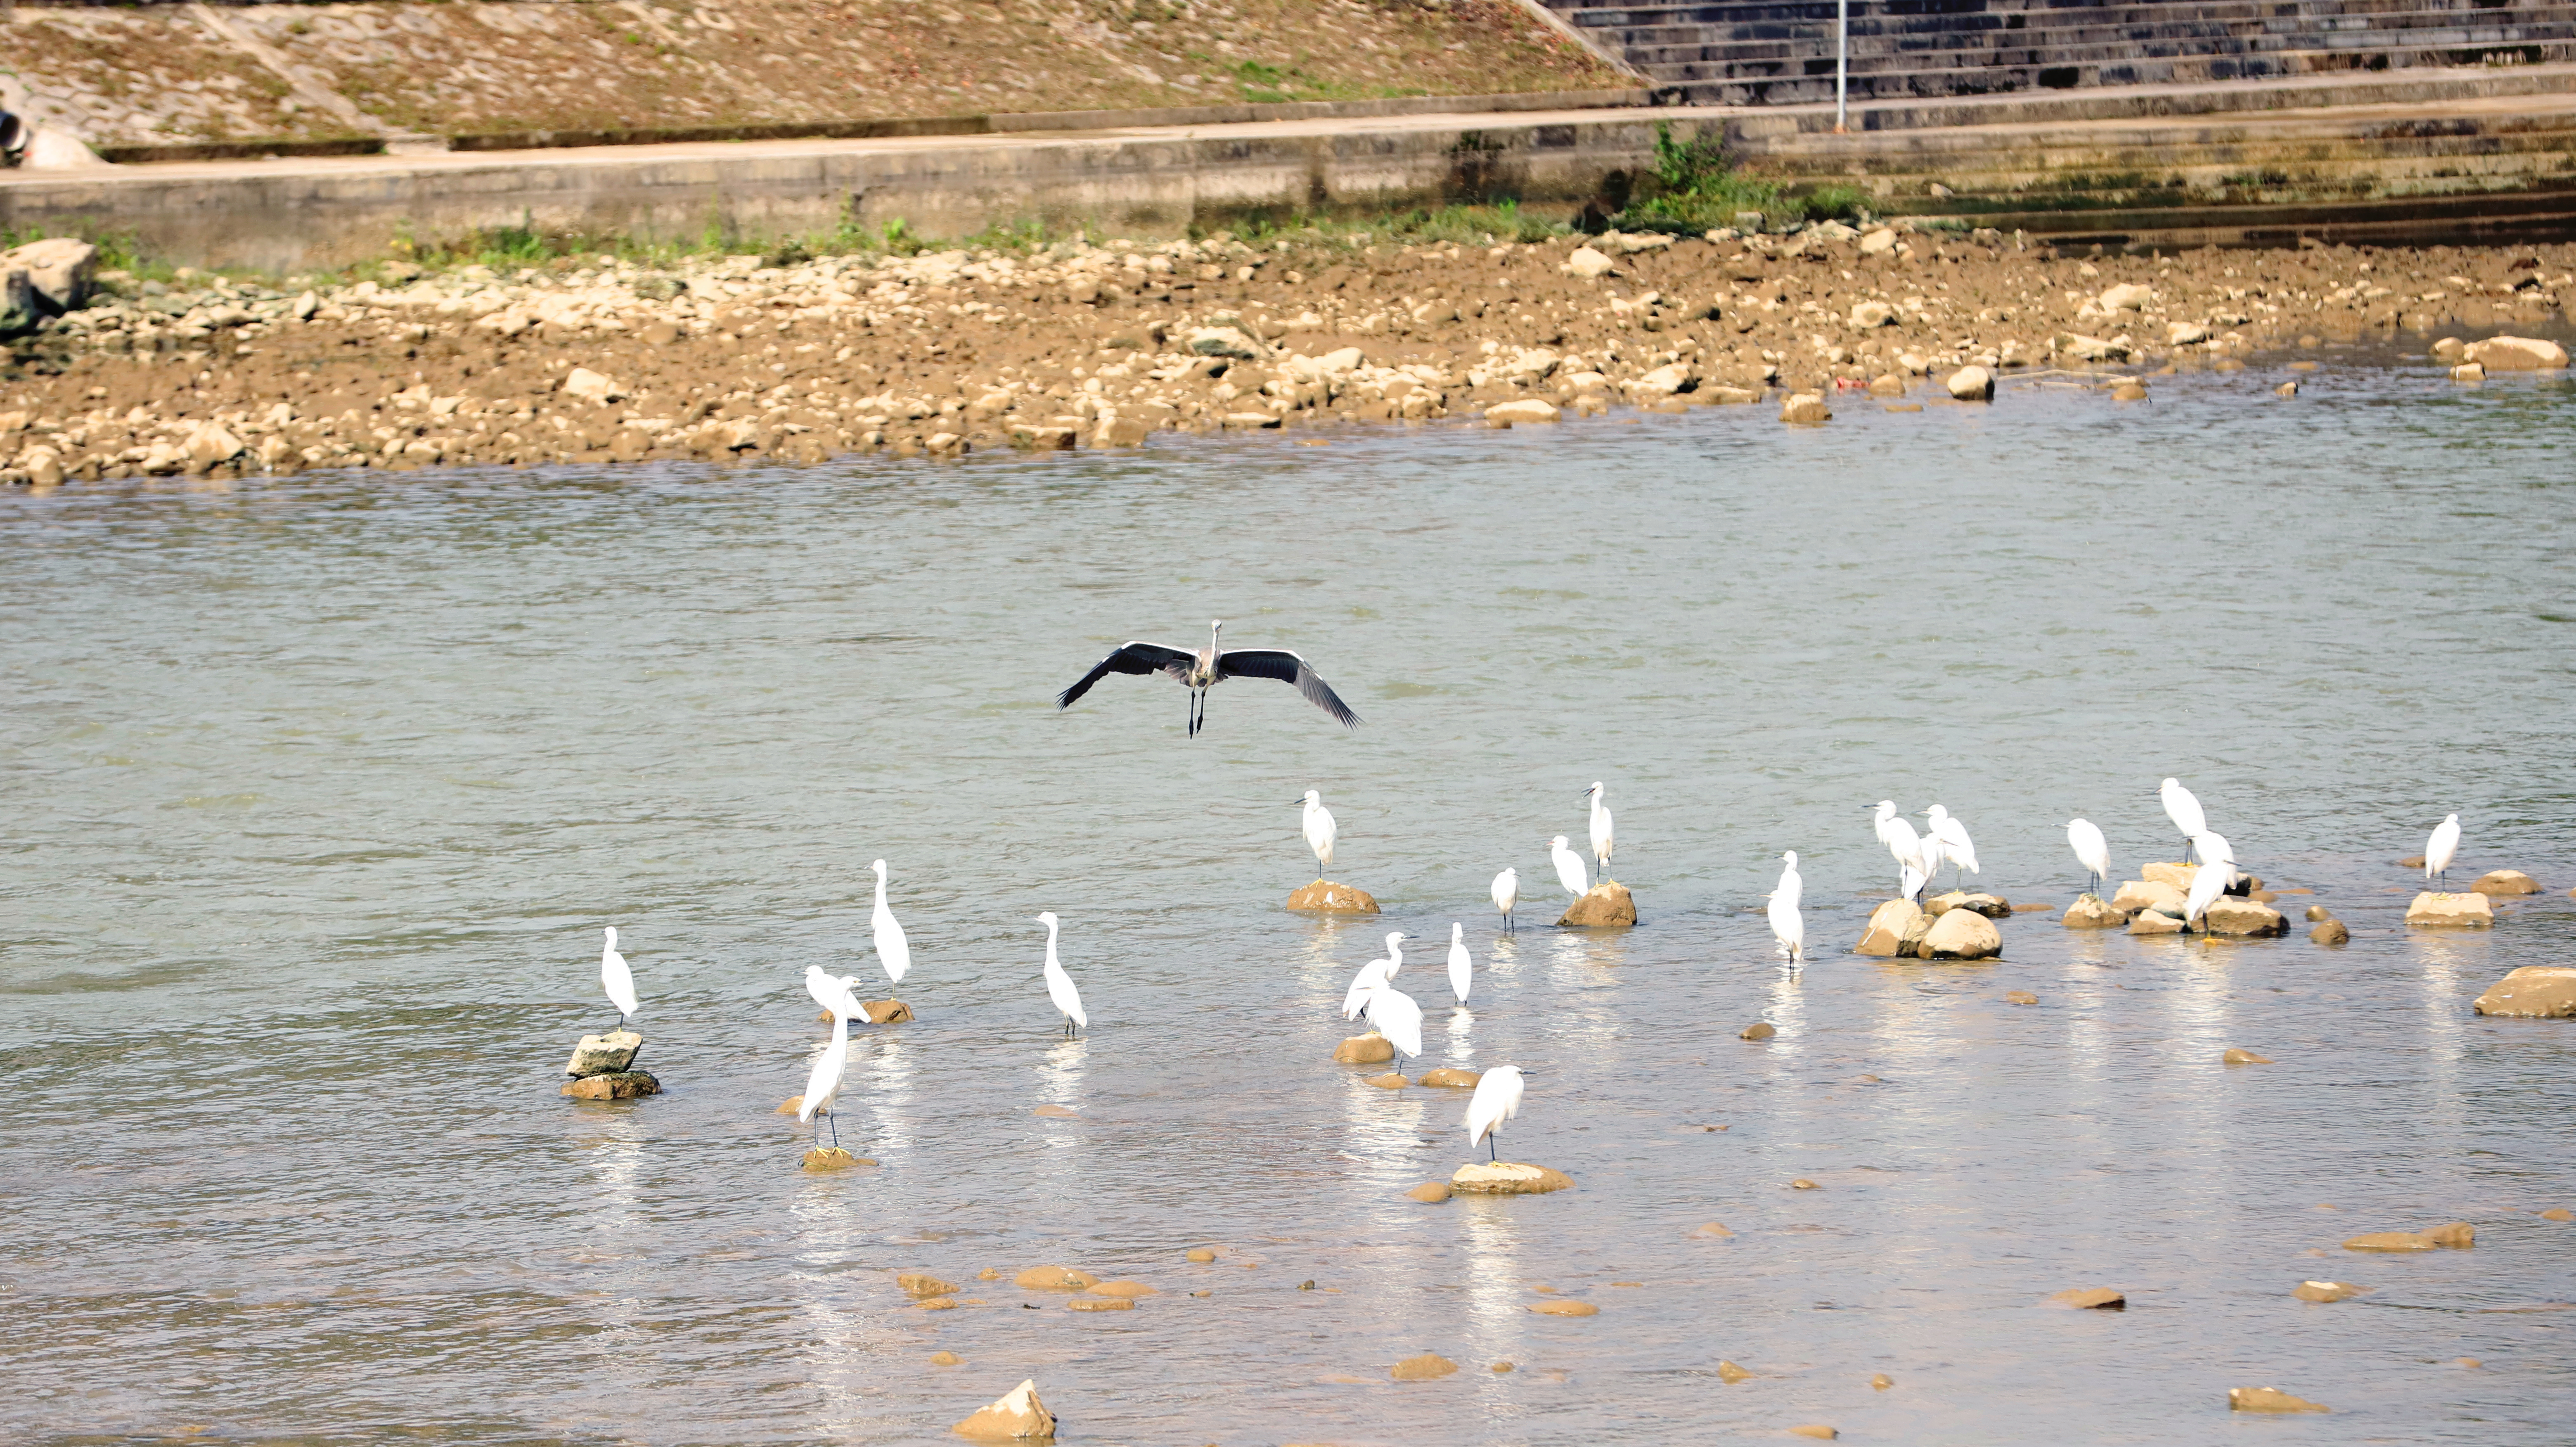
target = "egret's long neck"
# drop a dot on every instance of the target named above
(880, 889)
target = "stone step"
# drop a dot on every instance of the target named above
(1875, 37)
(1817, 83)
(2416, 86)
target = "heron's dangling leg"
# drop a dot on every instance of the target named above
(1491, 1153)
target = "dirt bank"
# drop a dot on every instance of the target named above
(1080, 345)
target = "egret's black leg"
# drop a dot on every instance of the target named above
(1490, 1148)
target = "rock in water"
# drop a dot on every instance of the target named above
(2325, 1291)
(1430, 1193)
(1985, 904)
(1817, 1430)
(918, 1284)
(1805, 407)
(1565, 1308)
(2090, 1298)
(2391, 1241)
(2244, 917)
(1887, 926)
(1608, 905)
(1093, 1303)
(2514, 354)
(2236, 1056)
(1962, 934)
(1392, 1080)
(2451, 911)
(2020, 997)
(2331, 931)
(886, 1012)
(616, 1085)
(1364, 1050)
(1054, 1278)
(1424, 1368)
(1507, 1178)
(1972, 384)
(603, 1054)
(1729, 1373)
(2089, 912)
(2130, 391)
(1326, 897)
(1452, 1077)
(2155, 922)
(2138, 894)
(834, 1158)
(1758, 1030)
(1528, 410)
(2534, 992)
(1017, 1417)
(2457, 1236)
(2268, 1399)
(2502, 882)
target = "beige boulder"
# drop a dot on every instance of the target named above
(43, 466)
(1588, 264)
(2154, 922)
(2502, 354)
(1962, 934)
(2326, 1291)
(1424, 1368)
(1805, 407)
(1887, 385)
(61, 271)
(2138, 894)
(2451, 911)
(2331, 931)
(1565, 1308)
(2128, 296)
(210, 445)
(603, 1054)
(1984, 904)
(2231, 916)
(2237, 1055)
(2089, 912)
(1972, 384)
(1452, 1077)
(920, 1284)
(1430, 1193)
(1607, 906)
(2533, 992)
(1327, 897)
(1758, 1030)
(615, 1085)
(1507, 1178)
(1527, 410)
(591, 386)
(1887, 926)
(2503, 883)
(2391, 1242)
(1020, 1416)
(2090, 1298)
(2269, 1399)
(1869, 315)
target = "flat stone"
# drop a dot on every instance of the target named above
(2533, 992)
(2391, 1241)
(945, 1359)
(2451, 911)
(1452, 1078)
(1962, 934)
(1758, 1030)
(2331, 932)
(2504, 882)
(1984, 904)
(2153, 922)
(1054, 1278)
(1608, 906)
(1123, 1287)
(1881, 1382)
(1201, 1255)
(834, 1158)
(1730, 1373)
(937, 1303)
(1527, 410)
(2089, 912)
(617, 1085)
(1972, 384)
(790, 1106)
(1019, 1416)
(603, 1054)
(2456, 1236)
(1364, 1050)
(1324, 896)
(1100, 1303)
(1564, 1308)
(1803, 1184)
(2138, 894)
(2515, 354)
(1711, 1231)
(2235, 1056)
(2558, 1213)
(1430, 1193)
(1507, 1178)
(2020, 997)
(1817, 1430)
(1887, 926)
(919, 1284)
(886, 1012)
(2324, 1291)
(1392, 1080)
(2244, 918)
(2267, 1399)
(1427, 1367)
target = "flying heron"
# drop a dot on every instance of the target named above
(1198, 672)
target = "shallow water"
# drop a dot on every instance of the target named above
(320, 789)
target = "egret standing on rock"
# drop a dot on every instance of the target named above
(1060, 985)
(1396, 1017)
(824, 1085)
(838, 995)
(893, 950)
(618, 980)
(1497, 1099)
(1198, 672)
(2439, 850)
(1600, 829)
(1897, 834)
(1569, 868)
(1461, 968)
(2091, 850)
(1320, 829)
(1374, 973)
(1786, 922)
(2210, 880)
(2184, 810)
(1507, 892)
(1954, 842)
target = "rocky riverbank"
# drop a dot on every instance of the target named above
(595, 359)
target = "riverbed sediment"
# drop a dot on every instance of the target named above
(598, 359)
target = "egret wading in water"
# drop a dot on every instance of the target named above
(1060, 985)
(1952, 837)
(1507, 892)
(616, 979)
(2440, 849)
(1371, 975)
(1786, 923)
(837, 994)
(1396, 1017)
(1462, 969)
(2217, 870)
(1320, 829)
(2185, 812)
(893, 950)
(1198, 672)
(1600, 829)
(1497, 1099)
(824, 1085)
(1569, 868)
(2092, 851)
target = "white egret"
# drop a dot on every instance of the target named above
(2091, 850)
(1569, 868)
(1786, 922)
(1600, 828)
(1461, 968)
(893, 950)
(2184, 810)
(839, 994)
(824, 1085)
(1060, 985)
(1375, 972)
(1927, 860)
(1320, 829)
(1507, 892)
(1954, 842)
(2217, 869)
(618, 980)
(1897, 834)
(1198, 672)
(1396, 1017)
(2439, 850)
(1497, 1099)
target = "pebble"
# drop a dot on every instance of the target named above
(1881, 1382)
(1817, 1430)
(945, 1359)
(1201, 1255)
(1423, 1368)
(1803, 1184)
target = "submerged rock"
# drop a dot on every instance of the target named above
(1564, 1308)
(833, 1158)
(1527, 410)
(1507, 1178)
(1054, 1278)
(1607, 906)
(2331, 931)
(1711, 1231)
(2243, 917)
(1430, 1193)
(2325, 1291)
(2504, 882)
(615, 1085)
(1327, 897)
(1426, 1367)
(1817, 1430)
(1122, 1287)
(1972, 384)
(1019, 1416)
(1364, 1050)
(2089, 912)
(2155, 922)
(2391, 1241)
(2516, 354)
(2237, 1056)
(2533, 992)
(603, 1054)
(2020, 997)
(1098, 1303)
(886, 1012)
(1887, 926)
(1758, 1030)
(1962, 934)
(2451, 911)
(918, 1284)
(1805, 407)
(2269, 1399)
(2090, 1298)
(1392, 1080)
(1451, 1077)
(1729, 1373)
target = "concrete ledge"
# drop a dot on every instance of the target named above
(1417, 105)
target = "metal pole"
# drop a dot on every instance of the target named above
(1842, 63)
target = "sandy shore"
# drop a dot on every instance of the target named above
(591, 360)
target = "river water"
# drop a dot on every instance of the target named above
(319, 790)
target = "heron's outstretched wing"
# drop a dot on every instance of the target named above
(1287, 667)
(1139, 658)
